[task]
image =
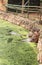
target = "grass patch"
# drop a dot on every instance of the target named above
(12, 50)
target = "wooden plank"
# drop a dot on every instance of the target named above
(33, 11)
(22, 6)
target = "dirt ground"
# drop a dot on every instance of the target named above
(32, 16)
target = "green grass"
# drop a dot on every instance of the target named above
(12, 50)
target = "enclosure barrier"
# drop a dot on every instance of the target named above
(28, 9)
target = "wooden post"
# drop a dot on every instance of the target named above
(22, 6)
(28, 7)
(5, 3)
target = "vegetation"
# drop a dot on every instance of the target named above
(12, 50)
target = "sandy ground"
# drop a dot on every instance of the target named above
(32, 16)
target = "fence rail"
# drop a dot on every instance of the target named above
(19, 7)
(28, 9)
